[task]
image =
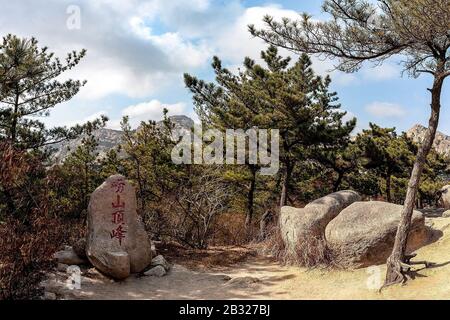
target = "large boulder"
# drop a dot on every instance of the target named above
(117, 243)
(445, 197)
(363, 234)
(300, 225)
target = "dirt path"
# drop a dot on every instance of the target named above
(262, 278)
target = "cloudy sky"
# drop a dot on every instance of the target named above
(138, 50)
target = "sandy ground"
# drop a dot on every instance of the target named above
(262, 278)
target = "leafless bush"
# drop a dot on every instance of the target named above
(196, 207)
(230, 229)
(310, 251)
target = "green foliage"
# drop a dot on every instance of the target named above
(289, 98)
(386, 153)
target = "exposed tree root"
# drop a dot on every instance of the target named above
(399, 272)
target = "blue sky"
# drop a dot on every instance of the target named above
(139, 50)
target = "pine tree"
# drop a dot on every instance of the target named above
(386, 154)
(298, 103)
(29, 89)
(291, 99)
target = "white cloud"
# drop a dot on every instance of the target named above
(383, 72)
(123, 59)
(91, 117)
(140, 48)
(385, 110)
(234, 42)
(151, 110)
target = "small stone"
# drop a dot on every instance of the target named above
(62, 267)
(243, 281)
(446, 214)
(49, 296)
(160, 261)
(68, 257)
(157, 271)
(153, 250)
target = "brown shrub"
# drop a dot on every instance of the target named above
(229, 229)
(27, 251)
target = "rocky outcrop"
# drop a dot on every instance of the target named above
(441, 142)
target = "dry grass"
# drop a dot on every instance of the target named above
(311, 251)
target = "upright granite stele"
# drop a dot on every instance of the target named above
(117, 243)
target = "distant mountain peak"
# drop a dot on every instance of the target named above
(441, 142)
(109, 139)
(182, 121)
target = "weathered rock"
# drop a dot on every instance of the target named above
(441, 142)
(445, 197)
(153, 249)
(49, 296)
(446, 214)
(242, 282)
(62, 267)
(157, 271)
(363, 234)
(117, 243)
(310, 222)
(80, 248)
(160, 261)
(68, 256)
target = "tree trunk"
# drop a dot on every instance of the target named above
(15, 119)
(388, 188)
(250, 198)
(86, 186)
(140, 185)
(395, 270)
(285, 187)
(338, 182)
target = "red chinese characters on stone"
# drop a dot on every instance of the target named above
(118, 213)
(118, 203)
(118, 185)
(117, 217)
(118, 233)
